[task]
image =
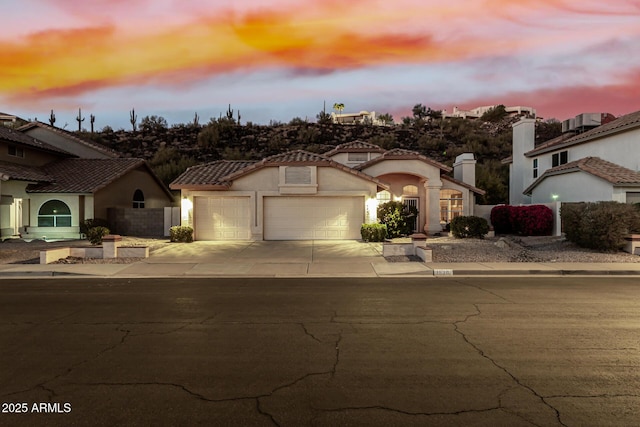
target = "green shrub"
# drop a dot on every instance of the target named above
(95, 234)
(601, 225)
(469, 226)
(373, 232)
(398, 218)
(181, 234)
(93, 222)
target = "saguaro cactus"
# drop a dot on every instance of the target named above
(133, 118)
(79, 119)
(92, 119)
(52, 118)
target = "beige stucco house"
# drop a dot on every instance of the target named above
(47, 190)
(300, 195)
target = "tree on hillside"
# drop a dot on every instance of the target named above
(324, 118)
(154, 124)
(386, 118)
(494, 114)
(339, 107)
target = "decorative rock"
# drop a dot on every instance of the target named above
(502, 243)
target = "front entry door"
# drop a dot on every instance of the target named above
(413, 201)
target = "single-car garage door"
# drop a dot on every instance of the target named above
(222, 218)
(302, 218)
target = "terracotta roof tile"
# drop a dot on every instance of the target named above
(212, 173)
(463, 184)
(402, 154)
(610, 172)
(623, 123)
(355, 147)
(296, 156)
(83, 175)
(69, 135)
(18, 137)
(23, 173)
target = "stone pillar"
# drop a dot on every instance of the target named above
(433, 207)
(110, 244)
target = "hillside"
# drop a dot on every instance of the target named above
(170, 150)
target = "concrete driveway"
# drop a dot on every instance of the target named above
(270, 252)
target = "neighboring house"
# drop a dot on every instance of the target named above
(47, 191)
(476, 113)
(300, 195)
(9, 120)
(363, 117)
(596, 165)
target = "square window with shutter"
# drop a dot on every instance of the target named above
(299, 175)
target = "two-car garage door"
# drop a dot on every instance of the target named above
(285, 218)
(306, 218)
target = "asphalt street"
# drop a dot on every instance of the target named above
(506, 351)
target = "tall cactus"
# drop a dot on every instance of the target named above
(133, 118)
(92, 119)
(196, 120)
(52, 118)
(79, 119)
(230, 113)
(239, 117)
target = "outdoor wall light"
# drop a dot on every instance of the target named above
(185, 207)
(554, 197)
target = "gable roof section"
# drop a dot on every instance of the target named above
(357, 146)
(69, 135)
(209, 175)
(18, 137)
(17, 172)
(621, 124)
(88, 175)
(402, 154)
(219, 175)
(610, 172)
(463, 184)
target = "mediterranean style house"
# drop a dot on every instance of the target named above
(300, 195)
(49, 184)
(598, 164)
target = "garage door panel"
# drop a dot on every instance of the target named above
(222, 218)
(322, 218)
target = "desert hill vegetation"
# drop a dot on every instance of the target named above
(171, 149)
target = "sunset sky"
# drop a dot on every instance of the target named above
(282, 59)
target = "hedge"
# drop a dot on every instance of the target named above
(181, 234)
(95, 234)
(469, 226)
(373, 232)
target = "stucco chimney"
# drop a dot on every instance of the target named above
(464, 169)
(520, 173)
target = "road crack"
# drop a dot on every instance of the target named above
(497, 365)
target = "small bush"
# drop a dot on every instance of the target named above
(601, 225)
(501, 219)
(93, 222)
(398, 217)
(95, 234)
(181, 234)
(373, 232)
(469, 226)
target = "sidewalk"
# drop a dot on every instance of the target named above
(358, 268)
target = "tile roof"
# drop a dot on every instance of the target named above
(209, 174)
(355, 147)
(220, 174)
(402, 154)
(18, 137)
(610, 172)
(621, 124)
(83, 175)
(69, 135)
(463, 184)
(17, 172)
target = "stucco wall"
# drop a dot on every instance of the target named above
(262, 180)
(31, 157)
(331, 179)
(66, 144)
(119, 194)
(415, 167)
(572, 187)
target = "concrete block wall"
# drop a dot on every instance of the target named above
(137, 222)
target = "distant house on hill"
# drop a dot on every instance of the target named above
(363, 117)
(476, 113)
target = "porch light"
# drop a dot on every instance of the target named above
(186, 206)
(397, 198)
(554, 197)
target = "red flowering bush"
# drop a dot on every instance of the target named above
(530, 220)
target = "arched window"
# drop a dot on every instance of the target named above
(410, 190)
(138, 199)
(54, 213)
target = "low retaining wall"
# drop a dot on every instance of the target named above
(111, 249)
(632, 244)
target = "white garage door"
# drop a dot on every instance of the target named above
(302, 218)
(222, 218)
